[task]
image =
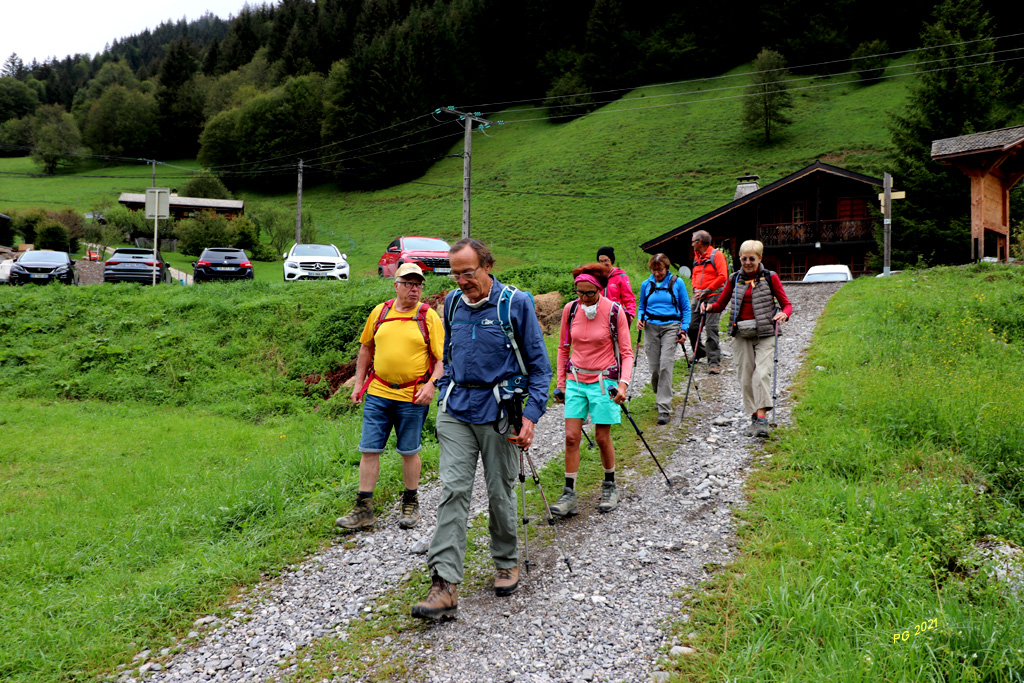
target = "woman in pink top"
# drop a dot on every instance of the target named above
(595, 360)
(618, 287)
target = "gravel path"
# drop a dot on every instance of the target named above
(606, 621)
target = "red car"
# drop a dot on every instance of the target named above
(429, 253)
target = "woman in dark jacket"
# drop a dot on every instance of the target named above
(757, 306)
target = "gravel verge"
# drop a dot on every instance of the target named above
(605, 621)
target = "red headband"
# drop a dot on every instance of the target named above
(586, 277)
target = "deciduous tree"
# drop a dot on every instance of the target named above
(56, 141)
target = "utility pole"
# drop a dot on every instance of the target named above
(154, 172)
(298, 209)
(886, 198)
(467, 157)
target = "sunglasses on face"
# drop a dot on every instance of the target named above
(748, 259)
(580, 293)
(409, 285)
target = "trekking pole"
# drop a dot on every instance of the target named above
(775, 372)
(526, 518)
(639, 432)
(590, 442)
(703, 317)
(547, 508)
(639, 343)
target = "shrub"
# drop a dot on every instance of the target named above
(201, 231)
(263, 252)
(205, 185)
(868, 62)
(27, 223)
(52, 235)
(540, 279)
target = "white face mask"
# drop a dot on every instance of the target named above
(590, 311)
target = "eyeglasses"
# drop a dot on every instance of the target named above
(748, 259)
(464, 276)
(590, 293)
(409, 285)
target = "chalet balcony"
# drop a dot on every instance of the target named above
(809, 232)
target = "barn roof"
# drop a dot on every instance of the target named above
(197, 202)
(987, 141)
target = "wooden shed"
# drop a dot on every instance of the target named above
(994, 162)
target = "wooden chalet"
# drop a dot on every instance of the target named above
(994, 161)
(185, 207)
(819, 215)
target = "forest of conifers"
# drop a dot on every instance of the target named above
(277, 79)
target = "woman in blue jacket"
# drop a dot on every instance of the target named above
(663, 314)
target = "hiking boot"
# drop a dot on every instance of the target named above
(715, 369)
(663, 419)
(410, 514)
(566, 505)
(609, 497)
(751, 428)
(361, 516)
(760, 427)
(506, 581)
(442, 601)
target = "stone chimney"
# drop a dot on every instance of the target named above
(745, 185)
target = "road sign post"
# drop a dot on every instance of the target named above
(158, 205)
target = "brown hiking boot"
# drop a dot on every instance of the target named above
(442, 601)
(410, 514)
(361, 516)
(715, 369)
(506, 581)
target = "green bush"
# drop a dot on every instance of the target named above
(52, 235)
(540, 279)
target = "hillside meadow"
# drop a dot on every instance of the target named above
(550, 193)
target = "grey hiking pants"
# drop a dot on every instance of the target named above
(660, 341)
(461, 444)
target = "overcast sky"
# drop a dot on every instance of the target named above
(40, 29)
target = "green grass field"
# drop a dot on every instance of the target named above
(907, 447)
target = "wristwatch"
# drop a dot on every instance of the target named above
(434, 382)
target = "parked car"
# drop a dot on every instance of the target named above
(315, 262)
(222, 263)
(5, 270)
(44, 266)
(135, 265)
(829, 273)
(431, 254)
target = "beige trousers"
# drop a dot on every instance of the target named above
(754, 360)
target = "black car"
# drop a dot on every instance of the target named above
(135, 265)
(222, 263)
(44, 266)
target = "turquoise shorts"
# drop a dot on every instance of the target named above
(581, 399)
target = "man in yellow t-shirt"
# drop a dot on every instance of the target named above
(399, 363)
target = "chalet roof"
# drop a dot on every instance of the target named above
(975, 143)
(175, 200)
(652, 246)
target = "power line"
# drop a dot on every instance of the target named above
(745, 74)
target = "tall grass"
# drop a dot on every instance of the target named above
(907, 448)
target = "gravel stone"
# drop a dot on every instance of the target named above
(632, 563)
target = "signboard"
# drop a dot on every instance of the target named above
(158, 202)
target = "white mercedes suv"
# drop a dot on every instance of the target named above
(315, 262)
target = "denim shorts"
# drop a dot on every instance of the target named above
(381, 414)
(581, 399)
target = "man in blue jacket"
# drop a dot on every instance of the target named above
(493, 345)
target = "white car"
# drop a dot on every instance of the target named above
(315, 262)
(5, 270)
(830, 273)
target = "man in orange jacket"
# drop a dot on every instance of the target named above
(710, 271)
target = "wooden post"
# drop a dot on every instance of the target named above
(298, 209)
(887, 219)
